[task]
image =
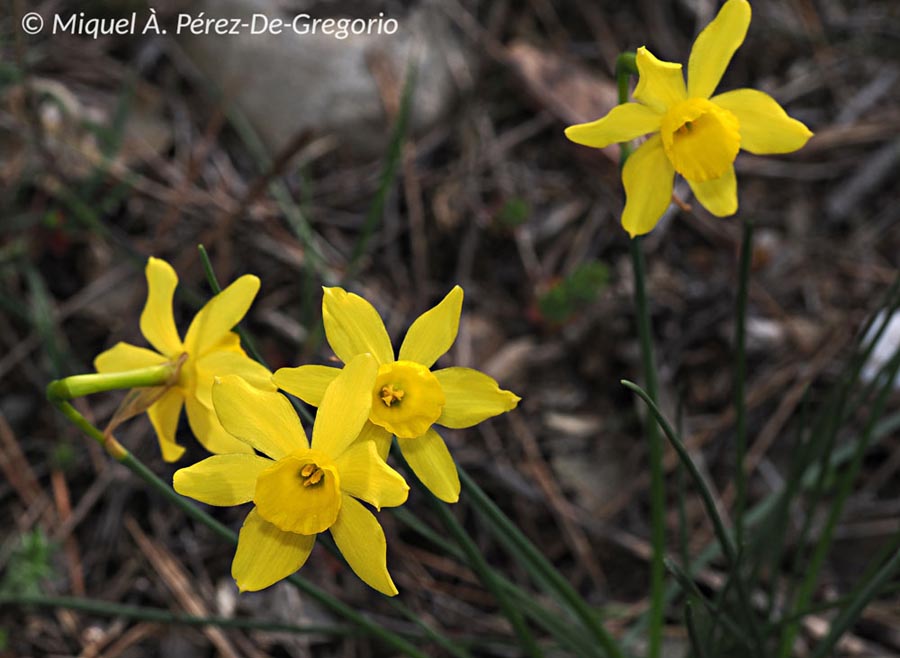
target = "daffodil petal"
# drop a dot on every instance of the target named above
(765, 126)
(164, 415)
(379, 436)
(660, 84)
(430, 460)
(221, 480)
(266, 554)
(219, 316)
(714, 47)
(306, 382)
(345, 406)
(365, 475)
(124, 356)
(472, 397)
(221, 363)
(209, 431)
(230, 342)
(264, 420)
(361, 541)
(648, 177)
(353, 326)
(718, 196)
(622, 124)
(157, 320)
(433, 332)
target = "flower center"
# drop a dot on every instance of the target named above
(700, 138)
(391, 394)
(311, 475)
(299, 493)
(407, 399)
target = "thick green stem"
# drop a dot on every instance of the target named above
(78, 386)
(626, 66)
(657, 472)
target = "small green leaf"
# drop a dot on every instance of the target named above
(514, 212)
(29, 564)
(569, 295)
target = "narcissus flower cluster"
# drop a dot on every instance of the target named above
(301, 487)
(693, 133)
(408, 399)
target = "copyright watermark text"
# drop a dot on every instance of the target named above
(80, 24)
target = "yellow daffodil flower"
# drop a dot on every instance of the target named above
(694, 133)
(407, 397)
(300, 488)
(210, 348)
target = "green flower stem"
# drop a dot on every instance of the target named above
(525, 551)
(138, 468)
(626, 66)
(740, 377)
(657, 472)
(144, 613)
(476, 560)
(78, 386)
(728, 549)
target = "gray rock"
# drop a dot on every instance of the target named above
(290, 82)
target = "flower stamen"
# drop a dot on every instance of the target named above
(391, 394)
(311, 474)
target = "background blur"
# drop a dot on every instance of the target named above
(300, 159)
